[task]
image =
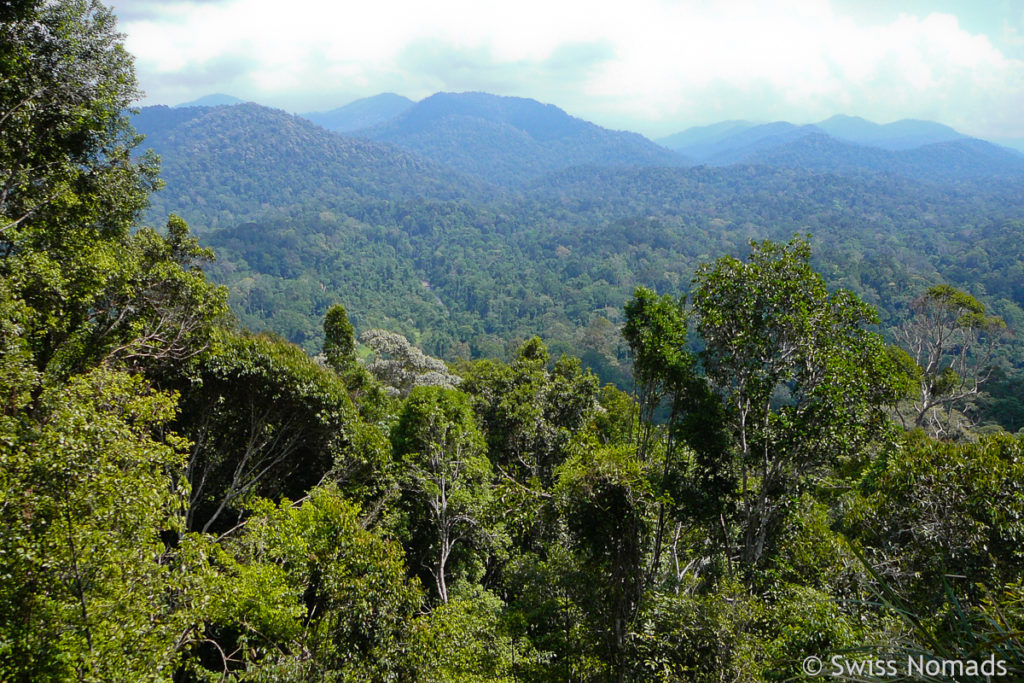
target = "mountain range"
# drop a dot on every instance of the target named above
(225, 164)
(511, 141)
(469, 222)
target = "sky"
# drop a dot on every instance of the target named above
(653, 66)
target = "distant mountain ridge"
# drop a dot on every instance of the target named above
(922, 150)
(899, 135)
(246, 159)
(362, 113)
(510, 140)
(214, 100)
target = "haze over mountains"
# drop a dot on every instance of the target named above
(510, 141)
(470, 221)
(228, 163)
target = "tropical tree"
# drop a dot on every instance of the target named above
(445, 475)
(804, 381)
(952, 340)
(89, 586)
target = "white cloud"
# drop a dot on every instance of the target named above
(661, 65)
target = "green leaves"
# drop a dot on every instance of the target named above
(84, 496)
(804, 381)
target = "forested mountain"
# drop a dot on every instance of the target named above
(936, 162)
(792, 486)
(922, 150)
(509, 140)
(471, 280)
(214, 100)
(362, 113)
(466, 270)
(904, 134)
(223, 165)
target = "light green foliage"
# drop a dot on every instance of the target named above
(349, 606)
(689, 636)
(265, 420)
(85, 495)
(467, 641)
(801, 620)
(804, 381)
(444, 474)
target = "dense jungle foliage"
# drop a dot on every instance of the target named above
(185, 500)
(300, 217)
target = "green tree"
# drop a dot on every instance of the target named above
(607, 500)
(264, 419)
(69, 188)
(952, 340)
(804, 382)
(66, 82)
(347, 609)
(85, 495)
(445, 476)
(339, 339)
(695, 480)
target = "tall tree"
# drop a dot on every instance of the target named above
(339, 339)
(70, 189)
(803, 380)
(950, 337)
(446, 475)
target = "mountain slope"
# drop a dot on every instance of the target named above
(899, 135)
(215, 100)
(948, 161)
(363, 113)
(719, 147)
(227, 164)
(510, 140)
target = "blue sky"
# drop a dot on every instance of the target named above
(653, 66)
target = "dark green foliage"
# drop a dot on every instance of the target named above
(509, 140)
(803, 382)
(265, 420)
(529, 412)
(339, 339)
(471, 280)
(184, 501)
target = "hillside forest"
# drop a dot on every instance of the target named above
(390, 413)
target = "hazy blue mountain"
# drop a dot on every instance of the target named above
(738, 145)
(922, 150)
(704, 135)
(363, 113)
(510, 140)
(1015, 144)
(215, 100)
(247, 159)
(905, 134)
(948, 161)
